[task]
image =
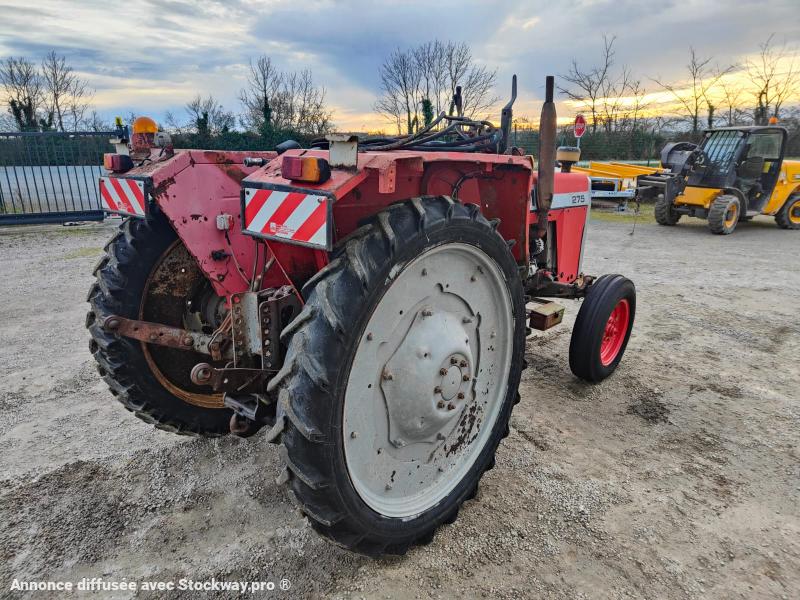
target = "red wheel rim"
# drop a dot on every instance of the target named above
(614, 334)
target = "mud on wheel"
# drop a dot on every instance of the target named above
(401, 373)
(148, 274)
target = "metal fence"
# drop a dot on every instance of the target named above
(51, 177)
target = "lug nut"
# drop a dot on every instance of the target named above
(473, 278)
(460, 395)
(451, 406)
(369, 337)
(424, 272)
(454, 361)
(426, 313)
(353, 435)
(442, 371)
(440, 404)
(465, 378)
(437, 390)
(463, 363)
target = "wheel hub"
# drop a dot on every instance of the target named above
(428, 378)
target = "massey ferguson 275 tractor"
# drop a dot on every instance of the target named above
(366, 302)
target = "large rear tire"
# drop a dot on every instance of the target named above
(401, 373)
(788, 216)
(723, 216)
(602, 328)
(151, 381)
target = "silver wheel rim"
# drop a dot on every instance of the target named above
(428, 380)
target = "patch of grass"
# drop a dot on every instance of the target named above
(82, 253)
(645, 216)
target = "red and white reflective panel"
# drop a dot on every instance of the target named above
(291, 216)
(124, 196)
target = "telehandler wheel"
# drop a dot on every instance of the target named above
(401, 373)
(148, 274)
(788, 216)
(665, 213)
(602, 328)
(723, 215)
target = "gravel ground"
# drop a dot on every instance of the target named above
(676, 478)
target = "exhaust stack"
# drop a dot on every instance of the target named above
(547, 158)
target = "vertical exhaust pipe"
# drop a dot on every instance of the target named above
(547, 158)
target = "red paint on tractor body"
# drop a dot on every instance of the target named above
(193, 187)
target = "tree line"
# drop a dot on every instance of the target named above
(709, 94)
(629, 114)
(46, 96)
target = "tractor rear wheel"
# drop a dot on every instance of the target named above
(788, 216)
(724, 213)
(148, 274)
(401, 373)
(602, 328)
(665, 212)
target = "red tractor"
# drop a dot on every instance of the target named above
(366, 302)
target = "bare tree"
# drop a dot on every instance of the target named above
(425, 78)
(275, 100)
(400, 89)
(692, 95)
(94, 122)
(614, 98)
(588, 86)
(476, 82)
(300, 105)
(731, 96)
(22, 85)
(67, 96)
(204, 116)
(775, 74)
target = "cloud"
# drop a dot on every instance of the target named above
(154, 55)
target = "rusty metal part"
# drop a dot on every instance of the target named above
(250, 413)
(175, 280)
(257, 321)
(233, 379)
(157, 333)
(543, 285)
(547, 158)
(244, 427)
(545, 315)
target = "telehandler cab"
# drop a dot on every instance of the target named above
(366, 302)
(734, 174)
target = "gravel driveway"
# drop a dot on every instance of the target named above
(679, 477)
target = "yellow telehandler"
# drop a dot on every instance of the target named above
(734, 174)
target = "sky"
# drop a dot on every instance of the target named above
(152, 56)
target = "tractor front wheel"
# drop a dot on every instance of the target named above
(723, 216)
(788, 216)
(602, 328)
(401, 373)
